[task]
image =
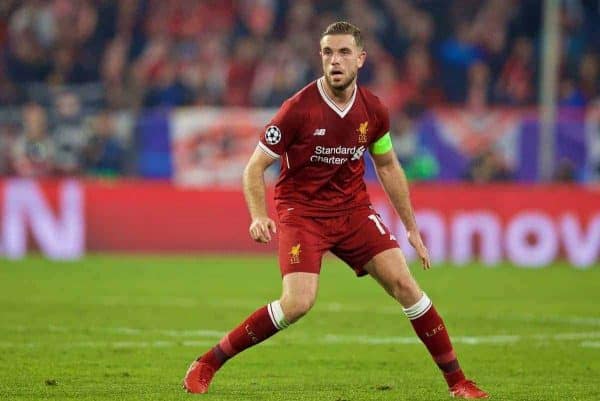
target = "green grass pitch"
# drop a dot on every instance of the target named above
(126, 328)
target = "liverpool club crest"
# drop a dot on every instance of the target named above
(362, 129)
(295, 254)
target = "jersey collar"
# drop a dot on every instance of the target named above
(339, 111)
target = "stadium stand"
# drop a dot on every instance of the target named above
(77, 78)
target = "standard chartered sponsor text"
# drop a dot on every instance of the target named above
(329, 155)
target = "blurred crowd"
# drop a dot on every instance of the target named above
(73, 71)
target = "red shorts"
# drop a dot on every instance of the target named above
(355, 237)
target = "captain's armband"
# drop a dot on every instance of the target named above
(382, 145)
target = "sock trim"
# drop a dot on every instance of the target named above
(445, 358)
(276, 315)
(219, 355)
(419, 309)
(226, 346)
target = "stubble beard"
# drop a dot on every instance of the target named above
(340, 87)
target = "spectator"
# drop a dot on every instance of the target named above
(5, 144)
(457, 54)
(68, 135)
(168, 91)
(280, 74)
(9, 93)
(33, 151)
(104, 155)
(515, 86)
(419, 82)
(112, 72)
(479, 93)
(25, 59)
(240, 72)
(589, 77)
(388, 88)
(488, 167)
(66, 69)
(572, 35)
(569, 94)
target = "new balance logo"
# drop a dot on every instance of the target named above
(319, 132)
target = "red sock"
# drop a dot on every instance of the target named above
(430, 328)
(259, 326)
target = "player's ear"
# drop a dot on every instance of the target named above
(362, 56)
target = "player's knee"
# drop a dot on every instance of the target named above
(295, 308)
(404, 289)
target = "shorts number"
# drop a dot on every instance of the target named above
(378, 223)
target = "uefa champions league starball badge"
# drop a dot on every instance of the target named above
(272, 135)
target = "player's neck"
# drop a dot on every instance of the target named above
(340, 97)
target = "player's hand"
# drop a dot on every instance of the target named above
(261, 228)
(414, 237)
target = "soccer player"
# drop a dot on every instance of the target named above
(320, 135)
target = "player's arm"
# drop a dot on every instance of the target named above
(254, 192)
(394, 182)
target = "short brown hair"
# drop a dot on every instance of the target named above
(344, 28)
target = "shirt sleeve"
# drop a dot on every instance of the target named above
(279, 132)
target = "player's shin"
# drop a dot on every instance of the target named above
(259, 326)
(430, 328)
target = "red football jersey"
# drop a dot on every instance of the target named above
(321, 147)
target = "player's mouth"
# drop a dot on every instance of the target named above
(336, 74)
